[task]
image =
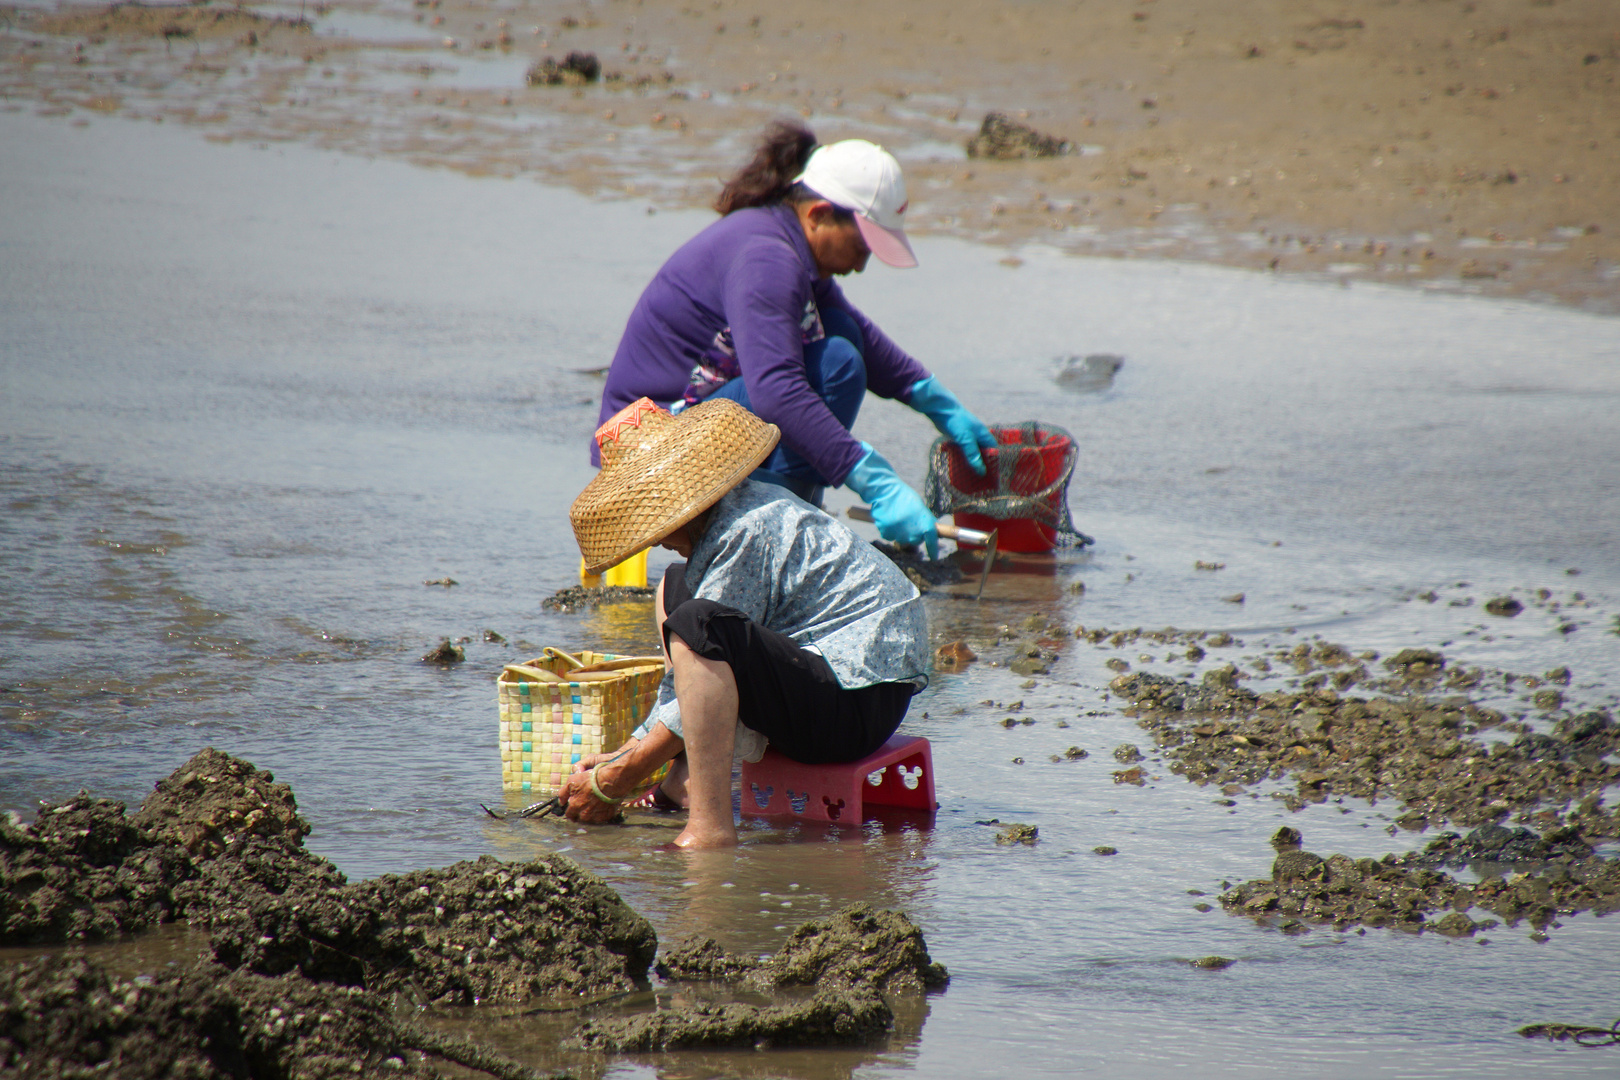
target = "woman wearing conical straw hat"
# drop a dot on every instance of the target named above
(782, 627)
(748, 309)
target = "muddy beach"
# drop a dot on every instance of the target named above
(300, 972)
(256, 398)
(1458, 145)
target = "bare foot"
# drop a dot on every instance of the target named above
(707, 838)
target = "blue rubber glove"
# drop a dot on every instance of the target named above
(931, 399)
(898, 512)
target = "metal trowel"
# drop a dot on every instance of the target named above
(963, 538)
(552, 805)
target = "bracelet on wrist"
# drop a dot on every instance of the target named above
(596, 789)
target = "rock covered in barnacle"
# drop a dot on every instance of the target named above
(700, 958)
(1002, 138)
(833, 1016)
(69, 1016)
(213, 799)
(83, 870)
(1423, 751)
(852, 959)
(860, 946)
(575, 69)
(1403, 893)
(577, 598)
(220, 843)
(482, 930)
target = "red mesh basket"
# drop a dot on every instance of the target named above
(1023, 493)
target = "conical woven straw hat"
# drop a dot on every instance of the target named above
(661, 471)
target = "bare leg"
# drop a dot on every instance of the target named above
(674, 784)
(707, 691)
(658, 619)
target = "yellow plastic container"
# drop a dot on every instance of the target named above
(631, 572)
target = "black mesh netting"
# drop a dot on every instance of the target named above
(1026, 476)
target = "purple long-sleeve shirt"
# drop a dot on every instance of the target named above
(750, 273)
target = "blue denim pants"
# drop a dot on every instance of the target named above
(836, 369)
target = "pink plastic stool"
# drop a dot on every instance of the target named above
(900, 774)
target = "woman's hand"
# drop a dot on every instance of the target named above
(590, 761)
(619, 775)
(953, 421)
(899, 512)
(581, 804)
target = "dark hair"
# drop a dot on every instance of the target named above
(802, 193)
(767, 179)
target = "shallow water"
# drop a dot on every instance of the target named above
(250, 400)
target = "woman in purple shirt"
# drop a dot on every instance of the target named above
(748, 310)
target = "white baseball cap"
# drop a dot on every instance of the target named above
(864, 177)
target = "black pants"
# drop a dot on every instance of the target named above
(785, 693)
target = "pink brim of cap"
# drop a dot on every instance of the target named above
(889, 245)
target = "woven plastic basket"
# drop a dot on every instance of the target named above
(560, 707)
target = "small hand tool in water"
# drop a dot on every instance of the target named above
(963, 538)
(1583, 1036)
(552, 805)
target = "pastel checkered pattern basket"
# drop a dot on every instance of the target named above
(558, 708)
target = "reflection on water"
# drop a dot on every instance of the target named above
(747, 901)
(626, 629)
(532, 1037)
(784, 874)
(253, 400)
(168, 946)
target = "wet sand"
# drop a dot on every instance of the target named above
(374, 376)
(1462, 145)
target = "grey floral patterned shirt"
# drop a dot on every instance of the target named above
(793, 569)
